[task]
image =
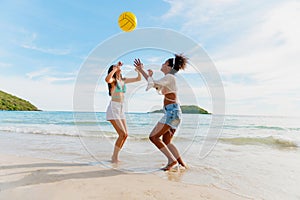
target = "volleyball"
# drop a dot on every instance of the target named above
(127, 21)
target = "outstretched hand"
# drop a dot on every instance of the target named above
(138, 64)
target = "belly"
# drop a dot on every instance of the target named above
(170, 98)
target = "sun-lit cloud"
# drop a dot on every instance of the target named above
(268, 55)
(49, 75)
(259, 62)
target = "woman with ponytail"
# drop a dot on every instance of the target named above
(115, 112)
(168, 124)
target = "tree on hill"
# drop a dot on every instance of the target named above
(10, 102)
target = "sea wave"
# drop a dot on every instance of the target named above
(268, 141)
(56, 132)
(278, 128)
(83, 123)
(64, 123)
(267, 127)
(81, 133)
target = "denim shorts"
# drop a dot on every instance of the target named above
(172, 116)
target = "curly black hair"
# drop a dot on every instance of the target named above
(180, 62)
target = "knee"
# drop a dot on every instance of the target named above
(124, 136)
(165, 140)
(152, 138)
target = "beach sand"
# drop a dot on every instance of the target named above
(30, 178)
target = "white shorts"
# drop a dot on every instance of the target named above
(115, 110)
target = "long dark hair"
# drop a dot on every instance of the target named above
(179, 63)
(114, 76)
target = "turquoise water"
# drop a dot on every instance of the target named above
(255, 156)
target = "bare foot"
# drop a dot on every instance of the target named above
(169, 166)
(114, 160)
(183, 164)
(180, 161)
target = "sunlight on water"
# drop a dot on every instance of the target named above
(256, 156)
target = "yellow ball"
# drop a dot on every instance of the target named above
(127, 21)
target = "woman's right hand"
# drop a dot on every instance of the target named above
(150, 72)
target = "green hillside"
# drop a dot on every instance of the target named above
(10, 102)
(190, 109)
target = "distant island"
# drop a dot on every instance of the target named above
(13, 103)
(190, 109)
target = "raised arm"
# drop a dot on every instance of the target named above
(109, 78)
(132, 80)
(139, 66)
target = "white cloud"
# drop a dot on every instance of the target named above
(5, 65)
(38, 73)
(268, 52)
(176, 8)
(154, 59)
(200, 10)
(58, 79)
(28, 39)
(259, 64)
(43, 90)
(47, 50)
(205, 18)
(51, 76)
(43, 94)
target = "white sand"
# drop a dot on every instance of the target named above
(30, 179)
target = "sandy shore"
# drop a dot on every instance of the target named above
(30, 178)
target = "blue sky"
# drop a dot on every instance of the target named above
(253, 44)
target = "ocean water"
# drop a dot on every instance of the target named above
(254, 156)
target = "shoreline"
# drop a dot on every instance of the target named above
(31, 178)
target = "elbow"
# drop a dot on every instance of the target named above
(107, 80)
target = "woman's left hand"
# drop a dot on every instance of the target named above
(138, 64)
(120, 63)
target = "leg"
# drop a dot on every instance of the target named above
(167, 140)
(159, 130)
(123, 121)
(122, 132)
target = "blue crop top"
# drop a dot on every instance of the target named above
(120, 88)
